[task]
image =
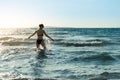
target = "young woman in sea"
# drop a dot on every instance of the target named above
(40, 41)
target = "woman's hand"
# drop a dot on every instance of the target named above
(28, 37)
(52, 39)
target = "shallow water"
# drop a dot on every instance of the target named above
(76, 54)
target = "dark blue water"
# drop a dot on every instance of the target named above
(76, 54)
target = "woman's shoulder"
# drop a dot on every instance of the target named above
(42, 30)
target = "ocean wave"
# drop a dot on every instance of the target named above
(103, 57)
(16, 43)
(58, 33)
(16, 54)
(59, 39)
(3, 39)
(106, 76)
(6, 38)
(96, 57)
(102, 76)
(92, 43)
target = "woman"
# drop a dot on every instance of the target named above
(40, 41)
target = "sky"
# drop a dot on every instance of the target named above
(59, 13)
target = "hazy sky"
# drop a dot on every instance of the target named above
(63, 13)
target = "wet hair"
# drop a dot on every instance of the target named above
(41, 25)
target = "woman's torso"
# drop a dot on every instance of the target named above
(40, 34)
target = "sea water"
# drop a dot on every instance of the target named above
(75, 54)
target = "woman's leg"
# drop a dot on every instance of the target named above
(37, 44)
(43, 44)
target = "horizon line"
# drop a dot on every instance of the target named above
(62, 27)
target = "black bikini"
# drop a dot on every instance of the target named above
(39, 41)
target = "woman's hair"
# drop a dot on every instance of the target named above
(41, 25)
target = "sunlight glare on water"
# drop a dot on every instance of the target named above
(76, 54)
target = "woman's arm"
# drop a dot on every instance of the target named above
(32, 35)
(48, 36)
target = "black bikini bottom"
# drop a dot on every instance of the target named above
(39, 41)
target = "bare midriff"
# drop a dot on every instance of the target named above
(40, 37)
